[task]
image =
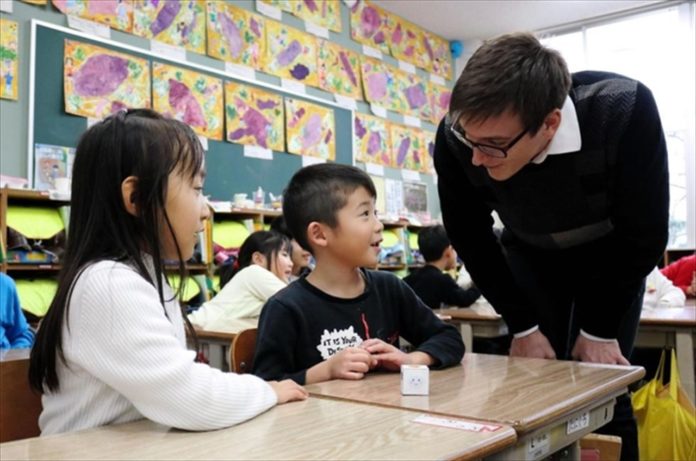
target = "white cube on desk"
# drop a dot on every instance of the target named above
(415, 379)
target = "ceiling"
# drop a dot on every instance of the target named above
(479, 19)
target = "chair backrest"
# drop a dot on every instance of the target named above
(242, 351)
(20, 406)
(601, 447)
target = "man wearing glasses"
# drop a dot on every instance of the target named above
(576, 168)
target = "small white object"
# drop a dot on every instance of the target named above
(268, 10)
(293, 86)
(240, 70)
(350, 3)
(372, 52)
(176, 53)
(379, 111)
(62, 185)
(258, 152)
(415, 380)
(578, 423)
(240, 200)
(538, 446)
(374, 169)
(92, 121)
(307, 160)
(412, 121)
(204, 142)
(90, 27)
(345, 101)
(410, 175)
(6, 6)
(314, 29)
(437, 79)
(407, 67)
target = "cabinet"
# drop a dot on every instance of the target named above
(401, 233)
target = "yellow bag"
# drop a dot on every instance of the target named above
(666, 418)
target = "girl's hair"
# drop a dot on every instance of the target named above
(139, 143)
(268, 243)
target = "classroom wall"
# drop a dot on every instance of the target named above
(14, 114)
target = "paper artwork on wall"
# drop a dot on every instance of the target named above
(310, 129)
(51, 162)
(236, 35)
(98, 81)
(117, 14)
(339, 70)
(369, 25)
(9, 59)
(323, 13)
(291, 54)
(414, 92)
(416, 198)
(439, 97)
(380, 85)
(254, 117)
(406, 42)
(438, 51)
(429, 141)
(371, 140)
(175, 22)
(191, 97)
(408, 150)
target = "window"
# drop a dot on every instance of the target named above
(658, 49)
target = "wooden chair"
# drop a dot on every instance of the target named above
(242, 351)
(20, 406)
(600, 447)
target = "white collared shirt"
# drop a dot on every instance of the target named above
(567, 138)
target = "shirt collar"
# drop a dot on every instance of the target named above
(567, 138)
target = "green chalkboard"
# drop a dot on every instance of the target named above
(228, 171)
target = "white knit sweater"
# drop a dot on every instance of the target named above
(127, 360)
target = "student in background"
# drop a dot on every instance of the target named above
(342, 321)
(682, 273)
(112, 347)
(430, 283)
(262, 268)
(14, 330)
(661, 292)
(301, 258)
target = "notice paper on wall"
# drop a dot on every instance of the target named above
(437, 79)
(293, 86)
(307, 160)
(175, 53)
(314, 29)
(374, 169)
(372, 52)
(90, 27)
(258, 152)
(241, 71)
(6, 6)
(268, 10)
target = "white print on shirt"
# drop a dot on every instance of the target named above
(337, 340)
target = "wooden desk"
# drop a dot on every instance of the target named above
(313, 429)
(672, 327)
(20, 407)
(472, 323)
(540, 399)
(216, 343)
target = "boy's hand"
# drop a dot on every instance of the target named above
(350, 363)
(391, 358)
(288, 391)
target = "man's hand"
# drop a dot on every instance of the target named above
(533, 345)
(587, 350)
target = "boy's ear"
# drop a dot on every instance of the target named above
(316, 234)
(129, 189)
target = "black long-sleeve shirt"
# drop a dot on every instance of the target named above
(618, 180)
(436, 288)
(301, 325)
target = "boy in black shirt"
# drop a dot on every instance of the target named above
(432, 285)
(341, 321)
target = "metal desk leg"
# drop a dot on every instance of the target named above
(685, 361)
(467, 336)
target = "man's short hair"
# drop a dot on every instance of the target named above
(432, 242)
(317, 193)
(513, 71)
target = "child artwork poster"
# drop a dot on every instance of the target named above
(310, 129)
(406, 42)
(191, 97)
(416, 198)
(381, 85)
(323, 13)
(236, 35)
(440, 57)
(98, 82)
(117, 14)
(254, 117)
(51, 162)
(439, 97)
(339, 70)
(9, 59)
(408, 150)
(370, 25)
(175, 22)
(414, 93)
(291, 54)
(371, 141)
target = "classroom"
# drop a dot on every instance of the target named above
(348, 229)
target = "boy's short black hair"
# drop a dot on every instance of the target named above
(432, 242)
(317, 193)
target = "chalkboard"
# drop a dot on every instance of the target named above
(228, 171)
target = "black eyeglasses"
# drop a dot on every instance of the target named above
(492, 151)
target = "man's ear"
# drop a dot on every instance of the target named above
(316, 234)
(129, 189)
(552, 122)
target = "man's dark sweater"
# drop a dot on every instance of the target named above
(436, 288)
(301, 325)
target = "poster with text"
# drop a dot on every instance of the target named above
(188, 96)
(98, 82)
(254, 117)
(175, 22)
(310, 129)
(51, 162)
(236, 35)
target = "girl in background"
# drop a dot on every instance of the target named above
(262, 268)
(112, 346)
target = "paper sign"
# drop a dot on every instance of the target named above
(350, 3)
(291, 85)
(456, 424)
(538, 446)
(437, 79)
(308, 160)
(379, 111)
(175, 53)
(92, 121)
(268, 10)
(374, 169)
(204, 142)
(240, 70)
(345, 101)
(372, 52)
(258, 152)
(578, 423)
(412, 121)
(89, 27)
(410, 175)
(6, 6)
(314, 29)
(407, 67)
